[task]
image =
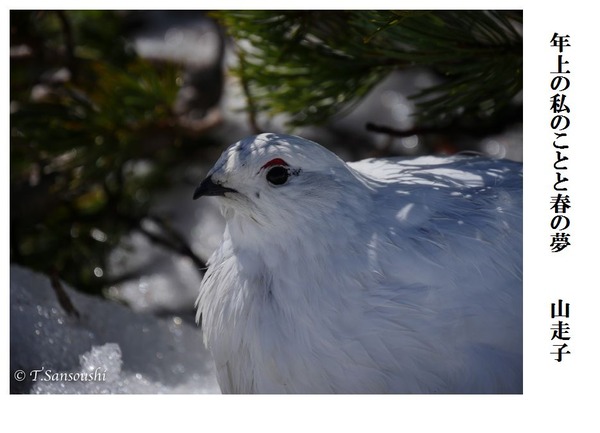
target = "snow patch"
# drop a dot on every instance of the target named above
(139, 352)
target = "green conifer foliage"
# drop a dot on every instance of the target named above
(313, 65)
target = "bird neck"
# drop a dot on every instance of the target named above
(296, 265)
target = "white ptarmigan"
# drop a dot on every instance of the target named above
(380, 276)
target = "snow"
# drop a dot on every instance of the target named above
(138, 353)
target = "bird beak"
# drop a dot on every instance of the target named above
(208, 188)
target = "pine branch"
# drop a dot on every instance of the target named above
(314, 65)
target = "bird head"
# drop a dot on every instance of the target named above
(273, 180)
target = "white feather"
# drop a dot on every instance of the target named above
(385, 275)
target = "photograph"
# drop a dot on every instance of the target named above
(365, 230)
(307, 202)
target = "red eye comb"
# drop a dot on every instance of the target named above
(276, 161)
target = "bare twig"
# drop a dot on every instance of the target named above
(173, 240)
(252, 111)
(401, 133)
(69, 43)
(62, 296)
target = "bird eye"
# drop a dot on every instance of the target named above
(278, 175)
